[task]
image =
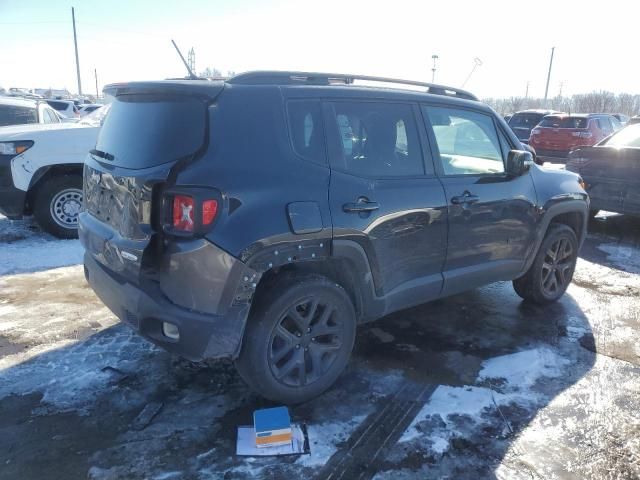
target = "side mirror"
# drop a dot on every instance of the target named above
(518, 162)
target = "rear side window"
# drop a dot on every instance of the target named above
(564, 122)
(307, 133)
(15, 115)
(49, 116)
(144, 130)
(376, 140)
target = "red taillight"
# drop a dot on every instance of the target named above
(183, 213)
(185, 210)
(209, 210)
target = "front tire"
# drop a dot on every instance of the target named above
(57, 204)
(552, 270)
(298, 340)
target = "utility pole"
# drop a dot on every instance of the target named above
(526, 93)
(546, 90)
(75, 42)
(561, 85)
(191, 59)
(433, 70)
(95, 72)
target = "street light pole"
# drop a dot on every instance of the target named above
(95, 72)
(75, 43)
(433, 70)
(546, 90)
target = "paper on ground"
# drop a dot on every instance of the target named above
(246, 445)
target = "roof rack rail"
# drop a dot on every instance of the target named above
(267, 77)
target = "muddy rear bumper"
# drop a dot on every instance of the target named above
(145, 307)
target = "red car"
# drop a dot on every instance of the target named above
(556, 135)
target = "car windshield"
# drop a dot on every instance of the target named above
(17, 115)
(627, 137)
(564, 122)
(525, 120)
(95, 118)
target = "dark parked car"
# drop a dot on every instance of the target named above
(526, 120)
(611, 170)
(265, 217)
(557, 135)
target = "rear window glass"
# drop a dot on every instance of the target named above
(15, 115)
(627, 137)
(565, 122)
(525, 120)
(146, 130)
(60, 106)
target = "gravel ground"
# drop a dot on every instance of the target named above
(474, 386)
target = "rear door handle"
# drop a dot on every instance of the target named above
(360, 206)
(465, 198)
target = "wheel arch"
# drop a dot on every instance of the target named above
(43, 174)
(573, 213)
(347, 265)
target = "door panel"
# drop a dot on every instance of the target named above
(492, 217)
(381, 198)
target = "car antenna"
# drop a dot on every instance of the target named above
(192, 75)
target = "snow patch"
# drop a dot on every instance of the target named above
(624, 257)
(523, 369)
(520, 370)
(26, 249)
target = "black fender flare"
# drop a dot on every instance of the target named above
(552, 210)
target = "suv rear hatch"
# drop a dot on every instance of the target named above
(522, 123)
(561, 134)
(151, 131)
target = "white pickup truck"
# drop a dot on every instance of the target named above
(41, 171)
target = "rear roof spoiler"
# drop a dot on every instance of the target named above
(204, 88)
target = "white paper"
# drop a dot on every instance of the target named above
(246, 444)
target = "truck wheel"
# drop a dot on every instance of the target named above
(58, 201)
(298, 339)
(552, 270)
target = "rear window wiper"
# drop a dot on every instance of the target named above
(101, 154)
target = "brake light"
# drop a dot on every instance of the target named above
(209, 210)
(183, 213)
(189, 214)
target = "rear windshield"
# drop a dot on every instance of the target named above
(59, 106)
(146, 130)
(525, 120)
(565, 122)
(627, 137)
(14, 115)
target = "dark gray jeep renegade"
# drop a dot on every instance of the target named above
(264, 217)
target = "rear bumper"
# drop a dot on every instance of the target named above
(145, 307)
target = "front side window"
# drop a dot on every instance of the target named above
(17, 115)
(376, 140)
(467, 141)
(305, 125)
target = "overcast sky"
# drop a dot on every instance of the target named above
(130, 40)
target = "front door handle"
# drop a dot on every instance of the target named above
(466, 198)
(362, 205)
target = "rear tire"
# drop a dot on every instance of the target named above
(298, 339)
(552, 270)
(58, 201)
